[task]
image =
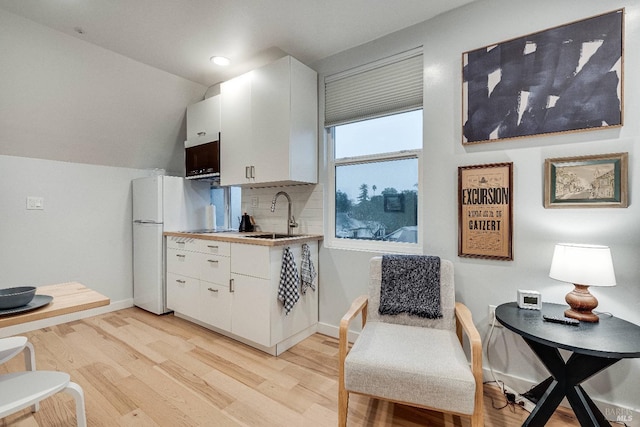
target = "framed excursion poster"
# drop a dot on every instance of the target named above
(598, 181)
(485, 212)
(563, 79)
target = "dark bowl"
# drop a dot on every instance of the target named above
(16, 297)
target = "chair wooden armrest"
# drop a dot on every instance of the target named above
(359, 305)
(464, 323)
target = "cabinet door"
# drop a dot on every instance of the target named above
(203, 121)
(183, 263)
(183, 294)
(215, 305)
(214, 268)
(270, 104)
(250, 309)
(235, 141)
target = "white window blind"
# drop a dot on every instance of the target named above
(384, 87)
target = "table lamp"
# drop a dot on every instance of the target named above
(584, 266)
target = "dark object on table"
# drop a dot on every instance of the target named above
(562, 320)
(16, 297)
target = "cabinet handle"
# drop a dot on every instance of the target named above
(212, 247)
(213, 260)
(231, 286)
(212, 290)
(253, 171)
(181, 256)
(202, 133)
(180, 281)
(246, 172)
(180, 243)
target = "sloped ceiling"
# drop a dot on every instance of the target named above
(107, 82)
(180, 36)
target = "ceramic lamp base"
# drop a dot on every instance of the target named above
(581, 302)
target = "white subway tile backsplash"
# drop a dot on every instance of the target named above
(306, 206)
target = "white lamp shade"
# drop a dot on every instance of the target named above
(589, 265)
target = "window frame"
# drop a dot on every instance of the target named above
(334, 242)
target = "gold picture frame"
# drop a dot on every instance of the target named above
(485, 211)
(597, 181)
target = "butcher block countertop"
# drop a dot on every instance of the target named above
(246, 237)
(67, 298)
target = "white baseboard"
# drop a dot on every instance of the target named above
(334, 331)
(52, 321)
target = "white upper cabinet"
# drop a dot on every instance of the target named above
(203, 121)
(269, 125)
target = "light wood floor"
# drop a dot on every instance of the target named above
(138, 369)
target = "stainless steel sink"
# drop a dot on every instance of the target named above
(272, 236)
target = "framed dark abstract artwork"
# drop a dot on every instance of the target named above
(598, 181)
(567, 78)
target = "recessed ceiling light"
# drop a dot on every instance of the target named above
(220, 60)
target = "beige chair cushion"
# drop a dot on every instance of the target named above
(422, 366)
(447, 299)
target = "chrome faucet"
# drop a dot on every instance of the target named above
(291, 221)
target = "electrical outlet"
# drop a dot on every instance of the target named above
(492, 316)
(254, 201)
(35, 203)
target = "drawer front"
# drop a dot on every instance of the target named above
(213, 247)
(181, 243)
(250, 260)
(215, 305)
(183, 294)
(183, 263)
(214, 269)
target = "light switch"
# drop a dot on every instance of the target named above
(35, 203)
(254, 201)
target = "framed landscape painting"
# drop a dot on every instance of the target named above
(564, 79)
(586, 182)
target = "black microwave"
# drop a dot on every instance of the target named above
(203, 161)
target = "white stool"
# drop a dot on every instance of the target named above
(11, 346)
(22, 389)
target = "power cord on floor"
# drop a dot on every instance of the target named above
(510, 398)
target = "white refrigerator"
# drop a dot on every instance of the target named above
(161, 203)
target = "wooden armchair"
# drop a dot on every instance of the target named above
(412, 360)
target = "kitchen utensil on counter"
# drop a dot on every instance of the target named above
(246, 223)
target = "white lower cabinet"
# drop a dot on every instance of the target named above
(250, 309)
(214, 304)
(233, 289)
(182, 291)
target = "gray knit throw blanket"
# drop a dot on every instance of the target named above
(410, 284)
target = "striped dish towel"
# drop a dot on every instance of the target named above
(288, 291)
(307, 270)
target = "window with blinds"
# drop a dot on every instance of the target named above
(373, 118)
(385, 87)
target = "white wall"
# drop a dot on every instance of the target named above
(479, 282)
(77, 123)
(65, 99)
(83, 234)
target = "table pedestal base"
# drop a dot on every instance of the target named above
(565, 381)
